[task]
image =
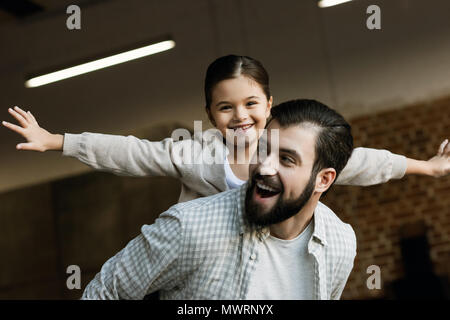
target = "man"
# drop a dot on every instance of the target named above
(269, 239)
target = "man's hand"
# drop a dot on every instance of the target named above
(440, 163)
(38, 139)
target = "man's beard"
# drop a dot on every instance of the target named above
(281, 210)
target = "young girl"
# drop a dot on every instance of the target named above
(238, 100)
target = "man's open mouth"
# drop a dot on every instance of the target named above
(266, 191)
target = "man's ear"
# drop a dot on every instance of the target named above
(324, 179)
(210, 117)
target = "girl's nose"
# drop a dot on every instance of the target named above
(240, 113)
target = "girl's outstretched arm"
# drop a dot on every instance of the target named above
(438, 166)
(369, 166)
(38, 139)
(113, 153)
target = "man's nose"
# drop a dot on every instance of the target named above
(268, 165)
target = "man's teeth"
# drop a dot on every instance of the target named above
(264, 187)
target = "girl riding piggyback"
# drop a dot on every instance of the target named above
(238, 104)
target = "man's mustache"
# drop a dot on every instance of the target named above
(271, 181)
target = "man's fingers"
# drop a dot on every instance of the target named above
(22, 113)
(13, 127)
(23, 122)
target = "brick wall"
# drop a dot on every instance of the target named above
(378, 213)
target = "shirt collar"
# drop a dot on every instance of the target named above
(319, 233)
(263, 233)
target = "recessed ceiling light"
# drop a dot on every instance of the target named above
(330, 3)
(99, 64)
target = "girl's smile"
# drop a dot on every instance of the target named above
(239, 106)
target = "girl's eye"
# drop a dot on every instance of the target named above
(225, 108)
(251, 103)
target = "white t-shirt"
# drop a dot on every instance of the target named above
(233, 182)
(284, 269)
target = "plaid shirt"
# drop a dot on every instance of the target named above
(202, 249)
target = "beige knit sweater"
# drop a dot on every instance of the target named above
(131, 156)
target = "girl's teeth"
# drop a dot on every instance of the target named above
(242, 128)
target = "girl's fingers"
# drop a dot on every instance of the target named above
(13, 127)
(32, 118)
(23, 122)
(447, 148)
(22, 113)
(26, 146)
(441, 147)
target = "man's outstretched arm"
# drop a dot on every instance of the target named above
(145, 265)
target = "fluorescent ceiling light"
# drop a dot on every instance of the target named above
(330, 3)
(100, 64)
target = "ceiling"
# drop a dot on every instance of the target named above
(18, 10)
(324, 54)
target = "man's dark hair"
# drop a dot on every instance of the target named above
(334, 142)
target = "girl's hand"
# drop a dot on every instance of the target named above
(38, 139)
(440, 163)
